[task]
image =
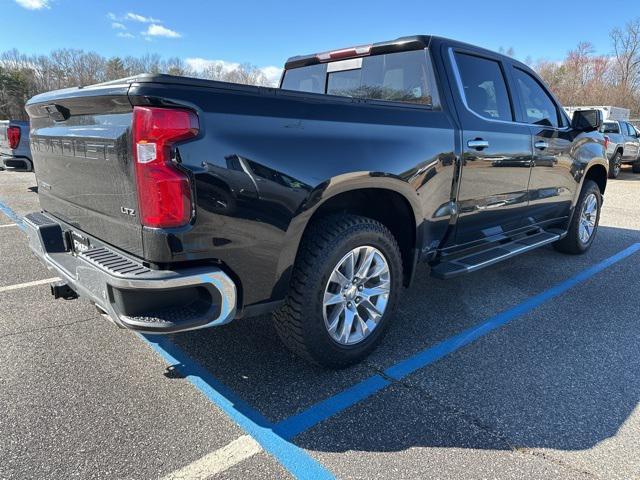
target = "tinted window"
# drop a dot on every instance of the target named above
(306, 79)
(485, 89)
(610, 127)
(538, 106)
(346, 83)
(630, 130)
(400, 77)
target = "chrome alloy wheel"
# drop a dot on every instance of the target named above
(356, 295)
(588, 218)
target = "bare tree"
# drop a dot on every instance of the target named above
(626, 49)
(177, 66)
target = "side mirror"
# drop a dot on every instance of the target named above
(587, 120)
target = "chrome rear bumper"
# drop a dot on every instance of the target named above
(131, 294)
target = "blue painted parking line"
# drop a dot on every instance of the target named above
(321, 411)
(298, 462)
(13, 216)
(301, 422)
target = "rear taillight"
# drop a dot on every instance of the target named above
(13, 134)
(164, 191)
(606, 142)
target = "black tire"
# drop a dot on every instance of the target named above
(615, 165)
(300, 321)
(636, 166)
(572, 243)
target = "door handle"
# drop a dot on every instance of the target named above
(492, 205)
(541, 145)
(478, 144)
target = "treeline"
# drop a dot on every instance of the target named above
(23, 76)
(582, 78)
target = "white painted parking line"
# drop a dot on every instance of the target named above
(218, 461)
(28, 284)
(10, 225)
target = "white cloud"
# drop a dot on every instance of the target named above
(33, 4)
(273, 74)
(112, 16)
(155, 30)
(118, 26)
(125, 35)
(200, 64)
(135, 17)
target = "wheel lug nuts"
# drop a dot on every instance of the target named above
(360, 287)
(349, 304)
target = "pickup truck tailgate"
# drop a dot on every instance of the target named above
(81, 147)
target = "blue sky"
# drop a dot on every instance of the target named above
(266, 33)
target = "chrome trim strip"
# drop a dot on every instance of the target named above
(517, 249)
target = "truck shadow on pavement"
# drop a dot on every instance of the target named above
(564, 376)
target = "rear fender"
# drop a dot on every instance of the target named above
(324, 192)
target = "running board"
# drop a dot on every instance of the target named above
(477, 260)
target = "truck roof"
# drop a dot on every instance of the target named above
(401, 44)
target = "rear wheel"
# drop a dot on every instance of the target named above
(585, 220)
(615, 165)
(344, 288)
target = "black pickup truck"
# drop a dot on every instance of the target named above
(176, 203)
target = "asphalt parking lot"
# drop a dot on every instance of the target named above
(529, 369)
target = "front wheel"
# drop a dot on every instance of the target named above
(585, 220)
(636, 166)
(343, 292)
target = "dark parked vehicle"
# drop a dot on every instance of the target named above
(623, 146)
(15, 153)
(176, 203)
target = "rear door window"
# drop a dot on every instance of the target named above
(485, 89)
(398, 77)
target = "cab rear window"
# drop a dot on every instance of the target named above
(610, 127)
(398, 77)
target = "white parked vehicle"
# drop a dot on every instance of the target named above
(609, 112)
(623, 145)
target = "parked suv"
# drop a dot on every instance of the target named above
(15, 153)
(623, 146)
(176, 203)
